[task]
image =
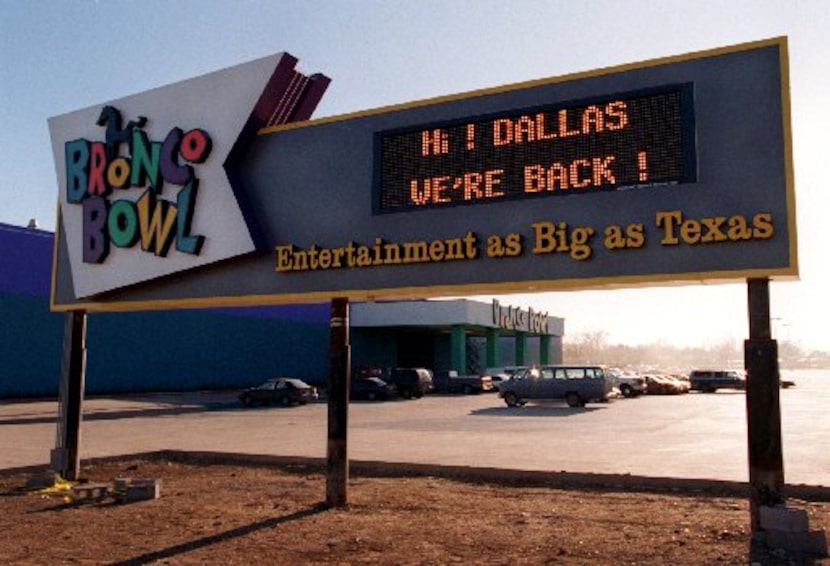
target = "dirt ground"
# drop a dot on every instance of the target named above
(225, 514)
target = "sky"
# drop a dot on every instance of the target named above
(62, 55)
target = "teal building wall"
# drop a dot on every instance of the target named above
(145, 351)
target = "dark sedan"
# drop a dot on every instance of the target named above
(370, 389)
(285, 391)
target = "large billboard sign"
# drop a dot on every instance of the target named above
(672, 170)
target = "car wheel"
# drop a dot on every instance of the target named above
(285, 401)
(467, 390)
(511, 399)
(371, 396)
(573, 400)
(627, 391)
(247, 401)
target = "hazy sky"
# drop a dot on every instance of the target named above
(62, 55)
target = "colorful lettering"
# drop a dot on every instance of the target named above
(95, 168)
(96, 244)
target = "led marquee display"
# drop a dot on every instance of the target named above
(624, 141)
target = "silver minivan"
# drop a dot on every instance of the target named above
(576, 384)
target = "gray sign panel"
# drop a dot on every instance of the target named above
(677, 169)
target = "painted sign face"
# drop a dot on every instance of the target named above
(672, 170)
(147, 186)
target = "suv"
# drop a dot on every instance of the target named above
(577, 385)
(709, 381)
(410, 382)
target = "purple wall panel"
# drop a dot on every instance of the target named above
(25, 260)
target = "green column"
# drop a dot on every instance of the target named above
(544, 349)
(493, 358)
(521, 348)
(458, 349)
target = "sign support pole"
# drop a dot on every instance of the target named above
(337, 460)
(66, 455)
(763, 409)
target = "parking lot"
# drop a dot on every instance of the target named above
(686, 436)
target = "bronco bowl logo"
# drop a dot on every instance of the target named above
(150, 184)
(96, 172)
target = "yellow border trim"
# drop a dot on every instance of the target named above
(789, 168)
(580, 75)
(624, 282)
(716, 277)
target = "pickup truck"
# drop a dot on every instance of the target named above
(451, 382)
(709, 381)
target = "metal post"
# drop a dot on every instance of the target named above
(337, 459)
(66, 455)
(763, 409)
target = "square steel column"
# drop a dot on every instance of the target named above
(337, 453)
(763, 409)
(65, 456)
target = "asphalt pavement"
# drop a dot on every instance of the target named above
(694, 436)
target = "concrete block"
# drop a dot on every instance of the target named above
(141, 490)
(90, 492)
(42, 480)
(808, 542)
(783, 518)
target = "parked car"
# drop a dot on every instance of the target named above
(411, 382)
(682, 381)
(450, 382)
(660, 384)
(370, 389)
(576, 384)
(498, 378)
(666, 384)
(709, 381)
(285, 391)
(629, 384)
